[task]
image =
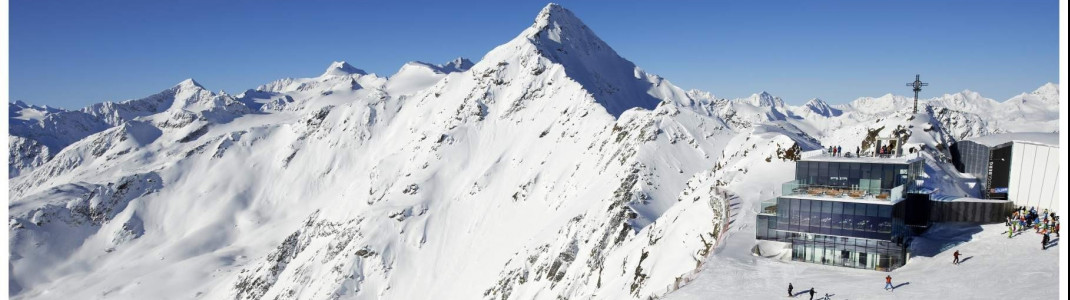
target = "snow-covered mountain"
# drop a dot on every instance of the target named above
(551, 168)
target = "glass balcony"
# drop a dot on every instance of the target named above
(859, 192)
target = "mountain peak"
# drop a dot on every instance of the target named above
(821, 107)
(1047, 89)
(553, 11)
(560, 38)
(342, 68)
(765, 99)
(459, 64)
(556, 29)
(188, 84)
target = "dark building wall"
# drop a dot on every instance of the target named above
(999, 173)
(972, 158)
(917, 210)
(971, 211)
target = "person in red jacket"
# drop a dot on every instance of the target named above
(888, 283)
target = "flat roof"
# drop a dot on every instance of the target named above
(845, 199)
(967, 199)
(1043, 138)
(905, 159)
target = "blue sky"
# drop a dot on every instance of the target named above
(73, 53)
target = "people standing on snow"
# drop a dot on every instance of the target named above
(812, 293)
(1056, 230)
(789, 289)
(888, 283)
(1044, 242)
(858, 151)
(956, 257)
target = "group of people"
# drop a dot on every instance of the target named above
(811, 292)
(838, 151)
(887, 286)
(883, 150)
(1044, 223)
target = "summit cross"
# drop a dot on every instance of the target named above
(917, 84)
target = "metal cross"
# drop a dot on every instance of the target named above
(917, 84)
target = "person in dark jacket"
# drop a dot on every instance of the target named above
(1044, 242)
(812, 293)
(789, 289)
(956, 257)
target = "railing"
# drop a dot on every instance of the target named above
(852, 154)
(845, 192)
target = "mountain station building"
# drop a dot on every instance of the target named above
(855, 212)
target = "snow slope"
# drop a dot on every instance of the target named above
(525, 175)
(551, 168)
(992, 267)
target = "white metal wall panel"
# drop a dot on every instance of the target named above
(1036, 186)
(1060, 189)
(1025, 174)
(1051, 179)
(1013, 188)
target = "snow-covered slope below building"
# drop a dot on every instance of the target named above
(993, 267)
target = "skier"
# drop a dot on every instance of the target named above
(956, 257)
(888, 283)
(1044, 242)
(812, 293)
(789, 289)
(858, 151)
(1056, 229)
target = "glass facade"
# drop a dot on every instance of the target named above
(989, 164)
(848, 252)
(861, 220)
(844, 251)
(863, 175)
